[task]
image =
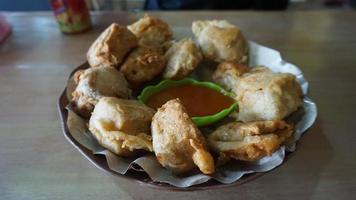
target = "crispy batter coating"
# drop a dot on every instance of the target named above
(143, 64)
(167, 45)
(228, 73)
(177, 142)
(261, 93)
(121, 125)
(94, 83)
(151, 31)
(221, 41)
(182, 58)
(249, 141)
(110, 48)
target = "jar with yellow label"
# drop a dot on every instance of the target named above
(72, 15)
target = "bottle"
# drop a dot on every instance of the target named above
(72, 15)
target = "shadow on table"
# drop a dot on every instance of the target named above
(304, 167)
(314, 152)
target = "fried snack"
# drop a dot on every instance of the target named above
(228, 73)
(182, 58)
(122, 126)
(262, 94)
(249, 141)
(177, 142)
(151, 31)
(143, 64)
(94, 83)
(110, 48)
(166, 45)
(221, 41)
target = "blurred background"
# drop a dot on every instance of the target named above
(138, 5)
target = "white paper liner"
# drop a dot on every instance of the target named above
(229, 173)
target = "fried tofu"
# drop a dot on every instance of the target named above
(220, 41)
(261, 93)
(177, 142)
(249, 141)
(143, 64)
(110, 48)
(182, 58)
(122, 126)
(95, 83)
(151, 31)
(227, 74)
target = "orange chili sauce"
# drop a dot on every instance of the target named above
(198, 100)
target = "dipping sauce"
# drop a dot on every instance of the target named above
(198, 100)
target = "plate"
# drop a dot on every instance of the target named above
(229, 175)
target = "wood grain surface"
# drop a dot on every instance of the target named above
(36, 161)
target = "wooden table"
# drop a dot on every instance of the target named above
(36, 162)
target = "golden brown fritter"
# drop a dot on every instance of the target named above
(266, 95)
(151, 31)
(228, 73)
(221, 41)
(110, 48)
(249, 141)
(121, 125)
(182, 58)
(94, 83)
(177, 142)
(262, 94)
(143, 64)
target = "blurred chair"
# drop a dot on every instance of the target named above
(216, 4)
(24, 5)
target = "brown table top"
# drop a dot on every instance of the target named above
(36, 162)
